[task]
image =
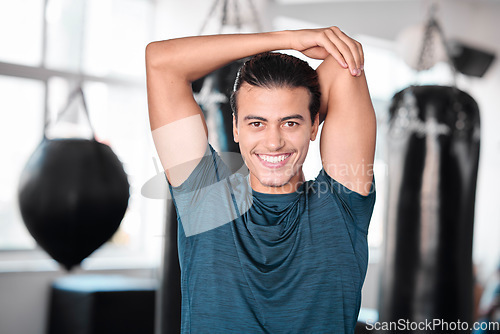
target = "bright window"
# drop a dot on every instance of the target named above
(99, 44)
(21, 122)
(21, 31)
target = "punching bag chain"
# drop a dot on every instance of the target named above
(77, 92)
(427, 52)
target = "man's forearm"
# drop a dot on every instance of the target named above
(191, 58)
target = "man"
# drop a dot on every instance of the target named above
(271, 252)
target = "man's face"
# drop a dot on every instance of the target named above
(274, 130)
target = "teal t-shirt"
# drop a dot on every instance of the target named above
(267, 263)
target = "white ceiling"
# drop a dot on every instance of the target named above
(473, 21)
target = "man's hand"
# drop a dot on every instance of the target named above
(319, 43)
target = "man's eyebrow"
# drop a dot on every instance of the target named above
(286, 118)
(248, 117)
(296, 116)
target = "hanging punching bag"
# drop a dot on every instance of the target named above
(433, 141)
(72, 195)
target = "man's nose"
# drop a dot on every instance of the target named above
(274, 138)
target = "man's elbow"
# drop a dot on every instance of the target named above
(152, 55)
(332, 76)
(158, 55)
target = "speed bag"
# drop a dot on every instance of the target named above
(433, 154)
(73, 194)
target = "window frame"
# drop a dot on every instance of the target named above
(107, 256)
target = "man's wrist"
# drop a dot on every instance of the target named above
(281, 40)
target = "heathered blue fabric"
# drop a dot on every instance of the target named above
(292, 263)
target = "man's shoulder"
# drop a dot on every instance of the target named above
(325, 187)
(209, 170)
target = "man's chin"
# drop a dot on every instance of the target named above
(275, 182)
(276, 179)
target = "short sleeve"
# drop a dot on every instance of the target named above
(210, 170)
(358, 207)
(211, 196)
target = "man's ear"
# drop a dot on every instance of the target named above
(315, 126)
(235, 130)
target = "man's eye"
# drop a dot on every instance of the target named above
(255, 124)
(291, 124)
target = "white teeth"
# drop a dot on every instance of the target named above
(274, 159)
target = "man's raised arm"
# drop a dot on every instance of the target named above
(177, 123)
(348, 136)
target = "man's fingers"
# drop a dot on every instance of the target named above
(353, 46)
(344, 48)
(333, 49)
(354, 50)
(350, 49)
(338, 49)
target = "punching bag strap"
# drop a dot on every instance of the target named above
(427, 45)
(78, 92)
(427, 51)
(455, 92)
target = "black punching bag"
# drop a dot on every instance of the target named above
(73, 194)
(433, 145)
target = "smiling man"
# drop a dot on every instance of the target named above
(271, 252)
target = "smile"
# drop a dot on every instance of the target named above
(276, 160)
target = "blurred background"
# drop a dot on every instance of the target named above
(50, 47)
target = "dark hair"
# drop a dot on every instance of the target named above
(278, 70)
